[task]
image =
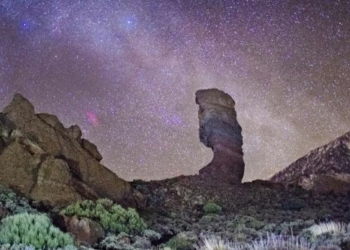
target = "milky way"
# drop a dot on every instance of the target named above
(126, 73)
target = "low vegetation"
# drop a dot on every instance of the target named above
(319, 236)
(112, 217)
(14, 204)
(212, 208)
(35, 230)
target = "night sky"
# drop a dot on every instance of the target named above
(126, 73)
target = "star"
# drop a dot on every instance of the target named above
(126, 73)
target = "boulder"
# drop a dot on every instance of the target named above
(84, 230)
(219, 130)
(46, 162)
(325, 183)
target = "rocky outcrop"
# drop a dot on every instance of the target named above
(219, 130)
(44, 161)
(324, 169)
(325, 183)
(85, 230)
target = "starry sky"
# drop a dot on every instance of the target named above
(126, 73)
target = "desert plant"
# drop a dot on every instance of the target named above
(151, 235)
(329, 233)
(293, 227)
(13, 203)
(16, 247)
(212, 208)
(247, 222)
(329, 227)
(213, 243)
(179, 243)
(112, 217)
(272, 242)
(25, 247)
(32, 229)
(114, 242)
(281, 242)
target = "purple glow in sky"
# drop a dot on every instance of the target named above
(126, 73)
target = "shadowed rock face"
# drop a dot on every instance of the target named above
(44, 161)
(324, 169)
(219, 130)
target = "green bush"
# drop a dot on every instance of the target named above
(16, 247)
(246, 222)
(13, 203)
(32, 230)
(212, 208)
(25, 247)
(179, 243)
(112, 217)
(151, 235)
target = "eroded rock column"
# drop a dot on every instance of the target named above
(219, 130)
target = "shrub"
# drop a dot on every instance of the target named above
(25, 247)
(213, 243)
(151, 235)
(246, 222)
(14, 204)
(272, 242)
(32, 229)
(294, 227)
(330, 233)
(212, 208)
(280, 242)
(210, 219)
(294, 204)
(329, 227)
(16, 247)
(179, 243)
(112, 242)
(112, 217)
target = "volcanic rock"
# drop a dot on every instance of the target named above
(324, 169)
(48, 163)
(85, 230)
(92, 149)
(220, 131)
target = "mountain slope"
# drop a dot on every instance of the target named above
(332, 160)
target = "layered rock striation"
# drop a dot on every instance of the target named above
(219, 130)
(324, 169)
(46, 162)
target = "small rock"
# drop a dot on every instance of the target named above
(75, 132)
(86, 231)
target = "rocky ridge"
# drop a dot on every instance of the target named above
(50, 164)
(324, 169)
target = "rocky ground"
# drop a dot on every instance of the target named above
(249, 211)
(175, 212)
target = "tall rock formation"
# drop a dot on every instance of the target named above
(324, 169)
(46, 162)
(219, 130)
